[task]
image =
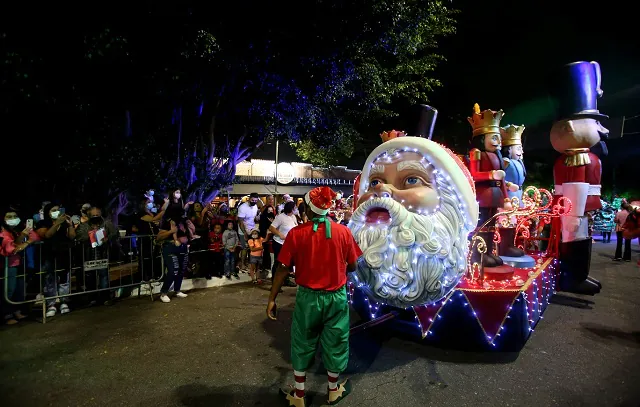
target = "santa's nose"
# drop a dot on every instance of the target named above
(382, 191)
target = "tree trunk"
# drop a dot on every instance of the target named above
(212, 132)
(127, 130)
(179, 147)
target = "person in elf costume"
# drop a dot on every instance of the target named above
(323, 252)
(487, 169)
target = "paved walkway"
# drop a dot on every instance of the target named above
(215, 348)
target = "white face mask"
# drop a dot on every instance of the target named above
(55, 214)
(254, 236)
(150, 205)
(177, 195)
(13, 222)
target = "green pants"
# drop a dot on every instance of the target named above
(323, 316)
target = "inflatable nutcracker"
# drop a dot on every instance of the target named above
(577, 171)
(487, 169)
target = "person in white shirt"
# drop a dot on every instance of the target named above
(280, 227)
(285, 198)
(247, 214)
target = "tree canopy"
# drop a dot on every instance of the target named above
(149, 93)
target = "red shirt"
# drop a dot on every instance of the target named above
(215, 241)
(321, 263)
(589, 173)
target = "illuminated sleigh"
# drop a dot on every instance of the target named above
(480, 312)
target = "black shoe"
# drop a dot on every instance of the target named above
(489, 260)
(586, 287)
(596, 282)
(513, 252)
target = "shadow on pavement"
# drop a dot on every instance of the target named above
(569, 301)
(365, 347)
(604, 333)
(199, 395)
(414, 348)
(606, 255)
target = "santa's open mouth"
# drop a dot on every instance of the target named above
(378, 215)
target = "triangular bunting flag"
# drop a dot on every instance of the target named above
(427, 314)
(491, 309)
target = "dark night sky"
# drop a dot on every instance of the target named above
(504, 50)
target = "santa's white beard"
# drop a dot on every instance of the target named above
(416, 259)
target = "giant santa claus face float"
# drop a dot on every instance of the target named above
(415, 210)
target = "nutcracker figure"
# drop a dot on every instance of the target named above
(513, 156)
(515, 173)
(487, 169)
(577, 171)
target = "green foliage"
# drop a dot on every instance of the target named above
(163, 97)
(388, 51)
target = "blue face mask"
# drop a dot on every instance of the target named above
(154, 210)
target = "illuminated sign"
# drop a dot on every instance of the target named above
(285, 173)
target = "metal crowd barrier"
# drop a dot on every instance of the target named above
(53, 278)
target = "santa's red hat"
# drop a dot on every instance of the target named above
(443, 159)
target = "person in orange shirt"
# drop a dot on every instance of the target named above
(255, 257)
(323, 253)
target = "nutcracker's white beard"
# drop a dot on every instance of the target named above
(415, 260)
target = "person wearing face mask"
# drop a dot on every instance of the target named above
(247, 213)
(280, 227)
(174, 235)
(57, 234)
(95, 250)
(176, 204)
(256, 250)
(266, 218)
(199, 245)
(15, 240)
(146, 229)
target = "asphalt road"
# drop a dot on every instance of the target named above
(215, 348)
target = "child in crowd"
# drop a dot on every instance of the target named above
(230, 240)
(255, 257)
(216, 263)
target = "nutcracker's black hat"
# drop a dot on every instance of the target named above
(424, 120)
(576, 88)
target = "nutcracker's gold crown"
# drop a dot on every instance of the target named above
(511, 135)
(390, 135)
(485, 122)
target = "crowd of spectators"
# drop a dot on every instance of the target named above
(64, 256)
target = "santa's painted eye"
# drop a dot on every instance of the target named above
(374, 183)
(414, 181)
